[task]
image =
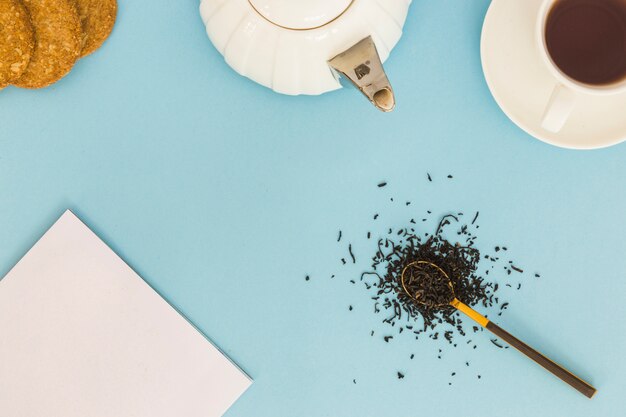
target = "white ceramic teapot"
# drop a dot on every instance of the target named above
(302, 46)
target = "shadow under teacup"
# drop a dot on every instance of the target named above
(583, 44)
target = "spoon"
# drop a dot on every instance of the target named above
(420, 276)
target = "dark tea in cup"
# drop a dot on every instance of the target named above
(586, 40)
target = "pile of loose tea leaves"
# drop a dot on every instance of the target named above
(459, 261)
(448, 251)
(447, 269)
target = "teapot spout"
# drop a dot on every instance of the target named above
(362, 66)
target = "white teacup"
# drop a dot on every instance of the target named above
(567, 91)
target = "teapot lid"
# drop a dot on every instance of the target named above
(300, 14)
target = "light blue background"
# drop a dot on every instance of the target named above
(224, 195)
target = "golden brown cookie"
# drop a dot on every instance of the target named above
(57, 41)
(17, 41)
(97, 18)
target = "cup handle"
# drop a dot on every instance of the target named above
(559, 108)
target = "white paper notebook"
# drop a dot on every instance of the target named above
(82, 335)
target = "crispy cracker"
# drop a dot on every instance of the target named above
(58, 43)
(97, 18)
(17, 41)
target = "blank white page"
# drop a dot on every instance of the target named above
(82, 335)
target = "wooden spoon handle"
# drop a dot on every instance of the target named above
(560, 372)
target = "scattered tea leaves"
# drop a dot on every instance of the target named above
(495, 342)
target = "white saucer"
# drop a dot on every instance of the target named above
(521, 83)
